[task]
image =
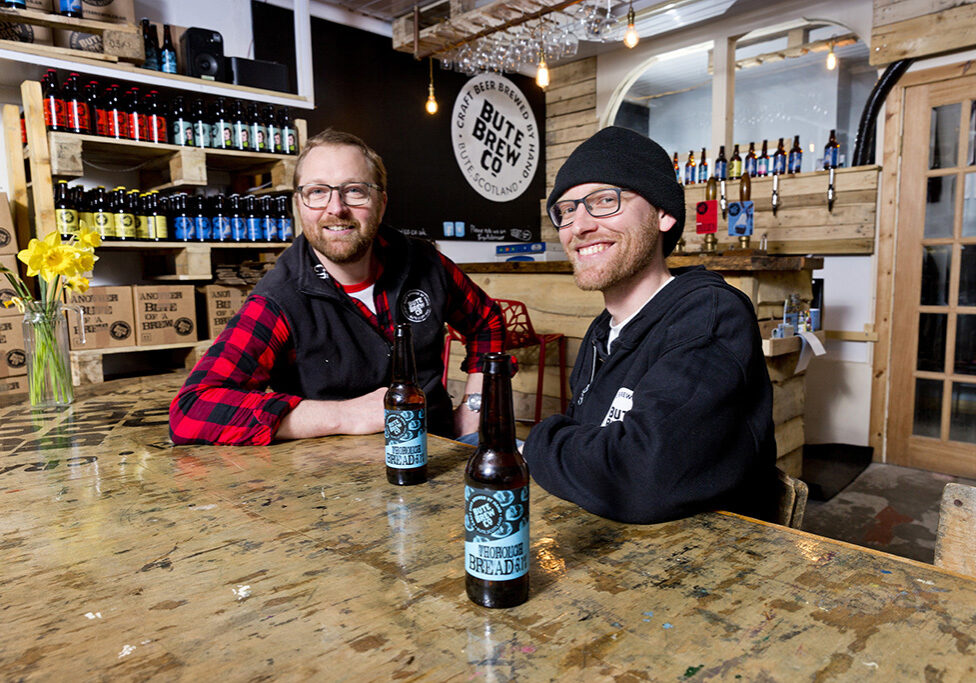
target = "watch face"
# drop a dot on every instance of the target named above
(474, 402)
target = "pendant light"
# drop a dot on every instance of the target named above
(431, 105)
(542, 72)
(831, 58)
(630, 36)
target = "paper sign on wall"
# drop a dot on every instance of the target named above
(740, 218)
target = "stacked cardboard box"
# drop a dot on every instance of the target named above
(113, 11)
(109, 318)
(221, 304)
(164, 314)
(28, 33)
(8, 253)
(13, 358)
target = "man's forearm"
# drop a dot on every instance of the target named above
(361, 415)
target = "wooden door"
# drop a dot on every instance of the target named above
(932, 397)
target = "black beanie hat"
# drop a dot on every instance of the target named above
(625, 158)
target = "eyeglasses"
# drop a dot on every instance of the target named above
(599, 203)
(319, 195)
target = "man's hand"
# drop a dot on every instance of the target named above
(360, 415)
(465, 420)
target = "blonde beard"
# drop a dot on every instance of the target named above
(638, 252)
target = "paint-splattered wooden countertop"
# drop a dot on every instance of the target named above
(124, 557)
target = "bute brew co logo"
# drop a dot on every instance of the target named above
(415, 306)
(495, 137)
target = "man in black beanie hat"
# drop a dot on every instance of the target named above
(672, 406)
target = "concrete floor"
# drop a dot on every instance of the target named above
(887, 507)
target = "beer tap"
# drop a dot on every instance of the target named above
(745, 194)
(775, 193)
(723, 203)
(707, 220)
(830, 190)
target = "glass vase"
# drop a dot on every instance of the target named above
(48, 362)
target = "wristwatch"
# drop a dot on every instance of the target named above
(473, 402)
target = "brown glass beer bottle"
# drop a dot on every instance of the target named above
(496, 499)
(406, 416)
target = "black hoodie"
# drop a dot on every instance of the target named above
(675, 420)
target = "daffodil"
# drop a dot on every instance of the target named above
(88, 239)
(77, 284)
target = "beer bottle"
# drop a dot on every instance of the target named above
(702, 167)
(831, 155)
(749, 165)
(721, 164)
(259, 132)
(405, 411)
(55, 116)
(269, 224)
(289, 137)
(96, 112)
(677, 168)
(136, 116)
(779, 159)
(83, 206)
(762, 163)
(102, 216)
(242, 130)
(274, 131)
(155, 119)
(76, 106)
(201, 125)
(796, 156)
(182, 126)
(238, 223)
(125, 221)
(157, 218)
(70, 8)
(65, 212)
(150, 44)
(144, 228)
(116, 120)
(219, 220)
(496, 499)
(222, 130)
(184, 226)
(285, 227)
(133, 206)
(690, 168)
(255, 226)
(167, 55)
(735, 164)
(201, 217)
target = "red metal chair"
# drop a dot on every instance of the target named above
(520, 334)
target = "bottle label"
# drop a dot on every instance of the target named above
(288, 139)
(203, 228)
(259, 138)
(157, 128)
(78, 116)
(116, 124)
(125, 225)
(242, 137)
(182, 133)
(255, 229)
(405, 432)
(750, 166)
(721, 170)
(702, 173)
(67, 220)
(735, 169)
(201, 134)
(274, 140)
(85, 220)
(162, 227)
(137, 129)
(762, 166)
(54, 112)
(223, 135)
(143, 229)
(496, 533)
(779, 164)
(104, 224)
(70, 6)
(238, 229)
(221, 228)
(830, 157)
(168, 60)
(796, 160)
(270, 229)
(689, 175)
(185, 227)
(101, 121)
(284, 229)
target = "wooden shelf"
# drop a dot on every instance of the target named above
(780, 347)
(86, 364)
(119, 41)
(177, 246)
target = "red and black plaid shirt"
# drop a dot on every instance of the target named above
(226, 401)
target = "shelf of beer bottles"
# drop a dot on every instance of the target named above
(174, 246)
(69, 149)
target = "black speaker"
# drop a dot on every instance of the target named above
(203, 53)
(256, 73)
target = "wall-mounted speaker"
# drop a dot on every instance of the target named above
(203, 53)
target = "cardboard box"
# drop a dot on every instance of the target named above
(6, 290)
(164, 314)
(13, 357)
(109, 318)
(13, 385)
(8, 235)
(113, 11)
(221, 303)
(28, 33)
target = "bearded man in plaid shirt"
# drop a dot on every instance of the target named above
(309, 353)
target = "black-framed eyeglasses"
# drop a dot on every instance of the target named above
(319, 195)
(599, 203)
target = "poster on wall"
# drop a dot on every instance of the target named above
(495, 137)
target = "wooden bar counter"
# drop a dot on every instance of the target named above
(125, 557)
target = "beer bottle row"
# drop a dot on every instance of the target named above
(114, 112)
(158, 58)
(66, 8)
(753, 165)
(121, 214)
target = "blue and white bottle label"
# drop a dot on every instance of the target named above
(238, 229)
(184, 227)
(255, 229)
(270, 229)
(406, 438)
(796, 160)
(203, 228)
(496, 533)
(168, 61)
(221, 228)
(285, 232)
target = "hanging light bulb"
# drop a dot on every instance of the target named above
(831, 58)
(630, 36)
(542, 72)
(431, 105)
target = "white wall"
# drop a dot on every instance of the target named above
(232, 18)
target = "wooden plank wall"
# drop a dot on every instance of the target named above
(904, 29)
